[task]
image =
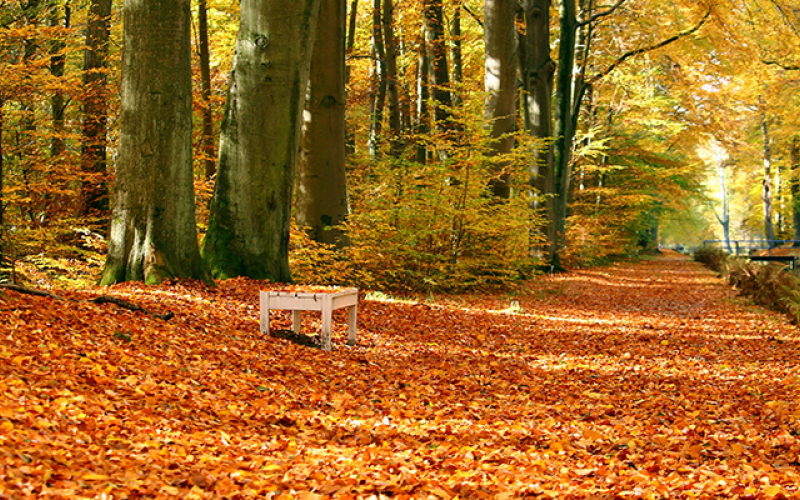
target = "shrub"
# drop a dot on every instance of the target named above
(713, 258)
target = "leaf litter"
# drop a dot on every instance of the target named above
(639, 380)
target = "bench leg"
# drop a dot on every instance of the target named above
(327, 311)
(297, 322)
(264, 310)
(352, 317)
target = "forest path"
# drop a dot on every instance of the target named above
(637, 380)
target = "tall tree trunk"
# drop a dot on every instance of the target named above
(205, 83)
(377, 93)
(794, 161)
(564, 131)
(321, 180)
(769, 228)
(95, 110)
(538, 79)
(153, 230)
(392, 89)
(501, 85)
(440, 73)
(2, 181)
(455, 55)
(57, 59)
(423, 95)
(351, 36)
(248, 233)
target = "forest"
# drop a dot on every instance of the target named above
(504, 191)
(442, 145)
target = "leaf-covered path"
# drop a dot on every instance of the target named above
(647, 380)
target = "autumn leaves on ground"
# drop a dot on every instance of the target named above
(640, 380)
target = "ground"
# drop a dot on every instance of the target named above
(639, 380)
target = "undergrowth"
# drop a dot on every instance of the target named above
(767, 285)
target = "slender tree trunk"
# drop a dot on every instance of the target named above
(351, 37)
(455, 55)
(392, 89)
(724, 218)
(205, 82)
(423, 95)
(769, 228)
(501, 85)
(2, 181)
(153, 230)
(57, 59)
(378, 81)
(321, 181)
(794, 161)
(538, 79)
(248, 233)
(440, 74)
(95, 110)
(564, 131)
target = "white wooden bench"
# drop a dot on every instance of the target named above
(326, 302)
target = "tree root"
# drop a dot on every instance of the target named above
(102, 299)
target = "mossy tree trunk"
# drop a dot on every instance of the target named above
(153, 231)
(321, 180)
(248, 233)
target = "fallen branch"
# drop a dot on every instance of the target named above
(102, 299)
(29, 291)
(108, 299)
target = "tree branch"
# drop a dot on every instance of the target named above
(643, 50)
(781, 65)
(473, 14)
(597, 16)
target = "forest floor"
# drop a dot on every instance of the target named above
(638, 380)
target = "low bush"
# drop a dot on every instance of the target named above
(713, 258)
(767, 285)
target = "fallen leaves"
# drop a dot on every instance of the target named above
(633, 381)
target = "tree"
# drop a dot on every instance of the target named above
(207, 141)
(95, 108)
(537, 77)
(794, 165)
(500, 82)
(321, 181)
(248, 233)
(153, 232)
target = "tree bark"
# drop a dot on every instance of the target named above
(321, 180)
(439, 72)
(538, 79)
(392, 90)
(377, 94)
(794, 164)
(153, 231)
(564, 131)
(769, 228)
(57, 59)
(2, 181)
(423, 94)
(501, 85)
(95, 110)
(248, 233)
(205, 84)
(455, 55)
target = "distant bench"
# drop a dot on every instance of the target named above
(789, 259)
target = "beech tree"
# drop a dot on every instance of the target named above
(248, 233)
(95, 108)
(153, 231)
(321, 180)
(500, 82)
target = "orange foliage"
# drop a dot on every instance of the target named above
(632, 381)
